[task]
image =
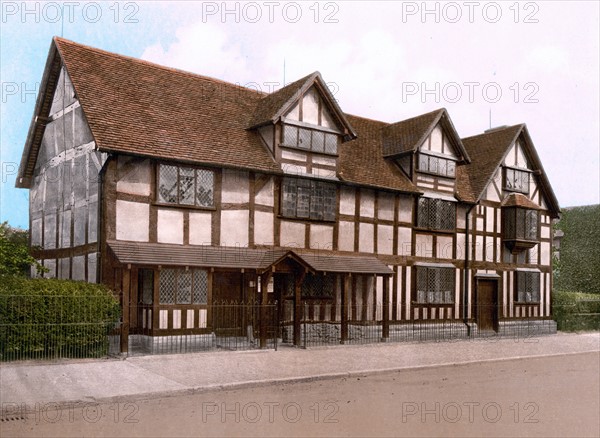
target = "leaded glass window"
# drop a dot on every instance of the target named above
(180, 286)
(520, 224)
(437, 165)
(528, 287)
(318, 286)
(436, 214)
(308, 199)
(516, 180)
(185, 185)
(309, 139)
(435, 285)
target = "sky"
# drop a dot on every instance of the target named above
(487, 63)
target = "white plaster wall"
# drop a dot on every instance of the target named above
(292, 169)
(346, 236)
(404, 241)
(50, 264)
(489, 219)
(347, 200)
(92, 263)
(134, 176)
(133, 221)
(36, 232)
(265, 195)
(263, 228)
(545, 232)
(546, 252)
(78, 268)
(235, 187)
(444, 248)
(479, 248)
(234, 227)
(385, 239)
(321, 236)
(436, 139)
(386, 206)
(292, 234)
(293, 155)
(367, 203)
(327, 161)
(170, 226)
(50, 231)
(366, 237)
(200, 228)
(460, 246)
(424, 245)
(405, 209)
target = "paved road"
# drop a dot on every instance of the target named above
(551, 396)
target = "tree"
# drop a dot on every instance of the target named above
(14, 252)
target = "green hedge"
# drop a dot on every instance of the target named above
(577, 269)
(49, 318)
(576, 311)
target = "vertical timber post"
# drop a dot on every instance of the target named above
(386, 309)
(264, 284)
(126, 282)
(298, 309)
(345, 295)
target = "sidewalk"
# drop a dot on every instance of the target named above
(107, 380)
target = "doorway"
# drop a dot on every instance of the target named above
(487, 305)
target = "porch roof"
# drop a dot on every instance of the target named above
(154, 254)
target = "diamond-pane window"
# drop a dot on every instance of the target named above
(205, 183)
(331, 141)
(167, 184)
(528, 287)
(516, 180)
(309, 139)
(437, 165)
(308, 199)
(185, 186)
(435, 285)
(184, 287)
(318, 286)
(304, 138)
(436, 214)
(200, 287)
(167, 286)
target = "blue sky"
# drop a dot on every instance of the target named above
(532, 62)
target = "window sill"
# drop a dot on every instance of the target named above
(304, 219)
(184, 206)
(417, 303)
(431, 230)
(296, 148)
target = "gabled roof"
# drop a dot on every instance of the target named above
(273, 106)
(407, 135)
(519, 200)
(488, 151)
(140, 108)
(361, 160)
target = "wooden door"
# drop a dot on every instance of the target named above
(487, 313)
(228, 313)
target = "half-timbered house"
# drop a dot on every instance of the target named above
(180, 191)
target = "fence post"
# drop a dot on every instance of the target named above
(386, 309)
(264, 284)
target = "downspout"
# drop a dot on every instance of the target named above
(465, 270)
(101, 225)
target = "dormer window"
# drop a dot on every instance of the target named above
(437, 165)
(309, 139)
(516, 180)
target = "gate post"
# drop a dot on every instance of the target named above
(297, 311)
(264, 283)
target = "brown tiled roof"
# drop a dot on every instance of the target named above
(487, 152)
(519, 200)
(154, 254)
(361, 160)
(141, 108)
(269, 105)
(408, 134)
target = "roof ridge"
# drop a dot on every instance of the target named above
(154, 65)
(495, 131)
